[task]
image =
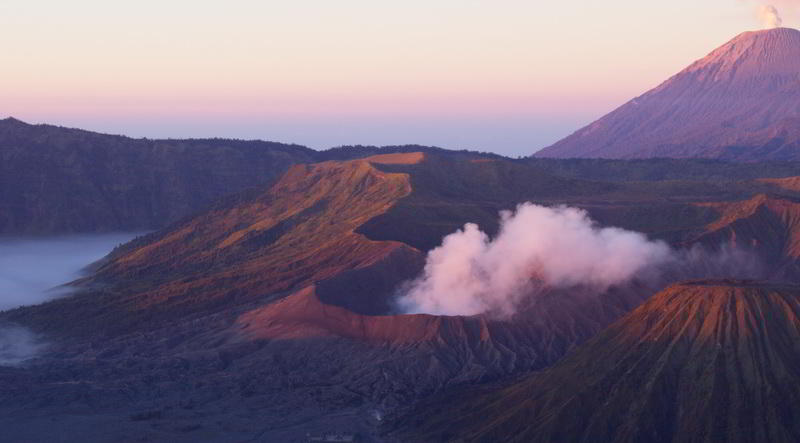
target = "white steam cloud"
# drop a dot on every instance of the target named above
(539, 248)
(555, 247)
(769, 16)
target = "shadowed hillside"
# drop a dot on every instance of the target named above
(448, 192)
(57, 180)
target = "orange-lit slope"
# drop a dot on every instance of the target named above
(297, 232)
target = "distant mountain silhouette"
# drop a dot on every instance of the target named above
(741, 102)
(56, 180)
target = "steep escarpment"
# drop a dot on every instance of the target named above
(737, 103)
(56, 180)
(701, 361)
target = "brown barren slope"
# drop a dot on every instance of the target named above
(701, 361)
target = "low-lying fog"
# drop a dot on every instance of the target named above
(31, 269)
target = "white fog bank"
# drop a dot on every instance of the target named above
(31, 269)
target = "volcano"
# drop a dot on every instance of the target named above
(271, 315)
(700, 361)
(741, 102)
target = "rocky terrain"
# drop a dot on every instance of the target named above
(263, 304)
(700, 361)
(637, 281)
(271, 314)
(737, 103)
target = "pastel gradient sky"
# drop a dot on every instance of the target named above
(507, 76)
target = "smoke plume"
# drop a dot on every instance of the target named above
(769, 16)
(539, 248)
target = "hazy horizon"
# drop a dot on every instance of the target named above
(455, 74)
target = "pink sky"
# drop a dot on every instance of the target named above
(508, 76)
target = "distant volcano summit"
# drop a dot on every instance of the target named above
(741, 102)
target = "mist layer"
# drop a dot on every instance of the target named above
(32, 269)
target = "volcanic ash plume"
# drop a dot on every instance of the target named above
(769, 16)
(551, 247)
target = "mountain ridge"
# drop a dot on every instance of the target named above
(56, 180)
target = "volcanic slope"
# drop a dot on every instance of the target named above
(700, 361)
(249, 249)
(740, 102)
(268, 314)
(256, 249)
(356, 228)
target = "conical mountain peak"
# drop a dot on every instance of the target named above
(740, 102)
